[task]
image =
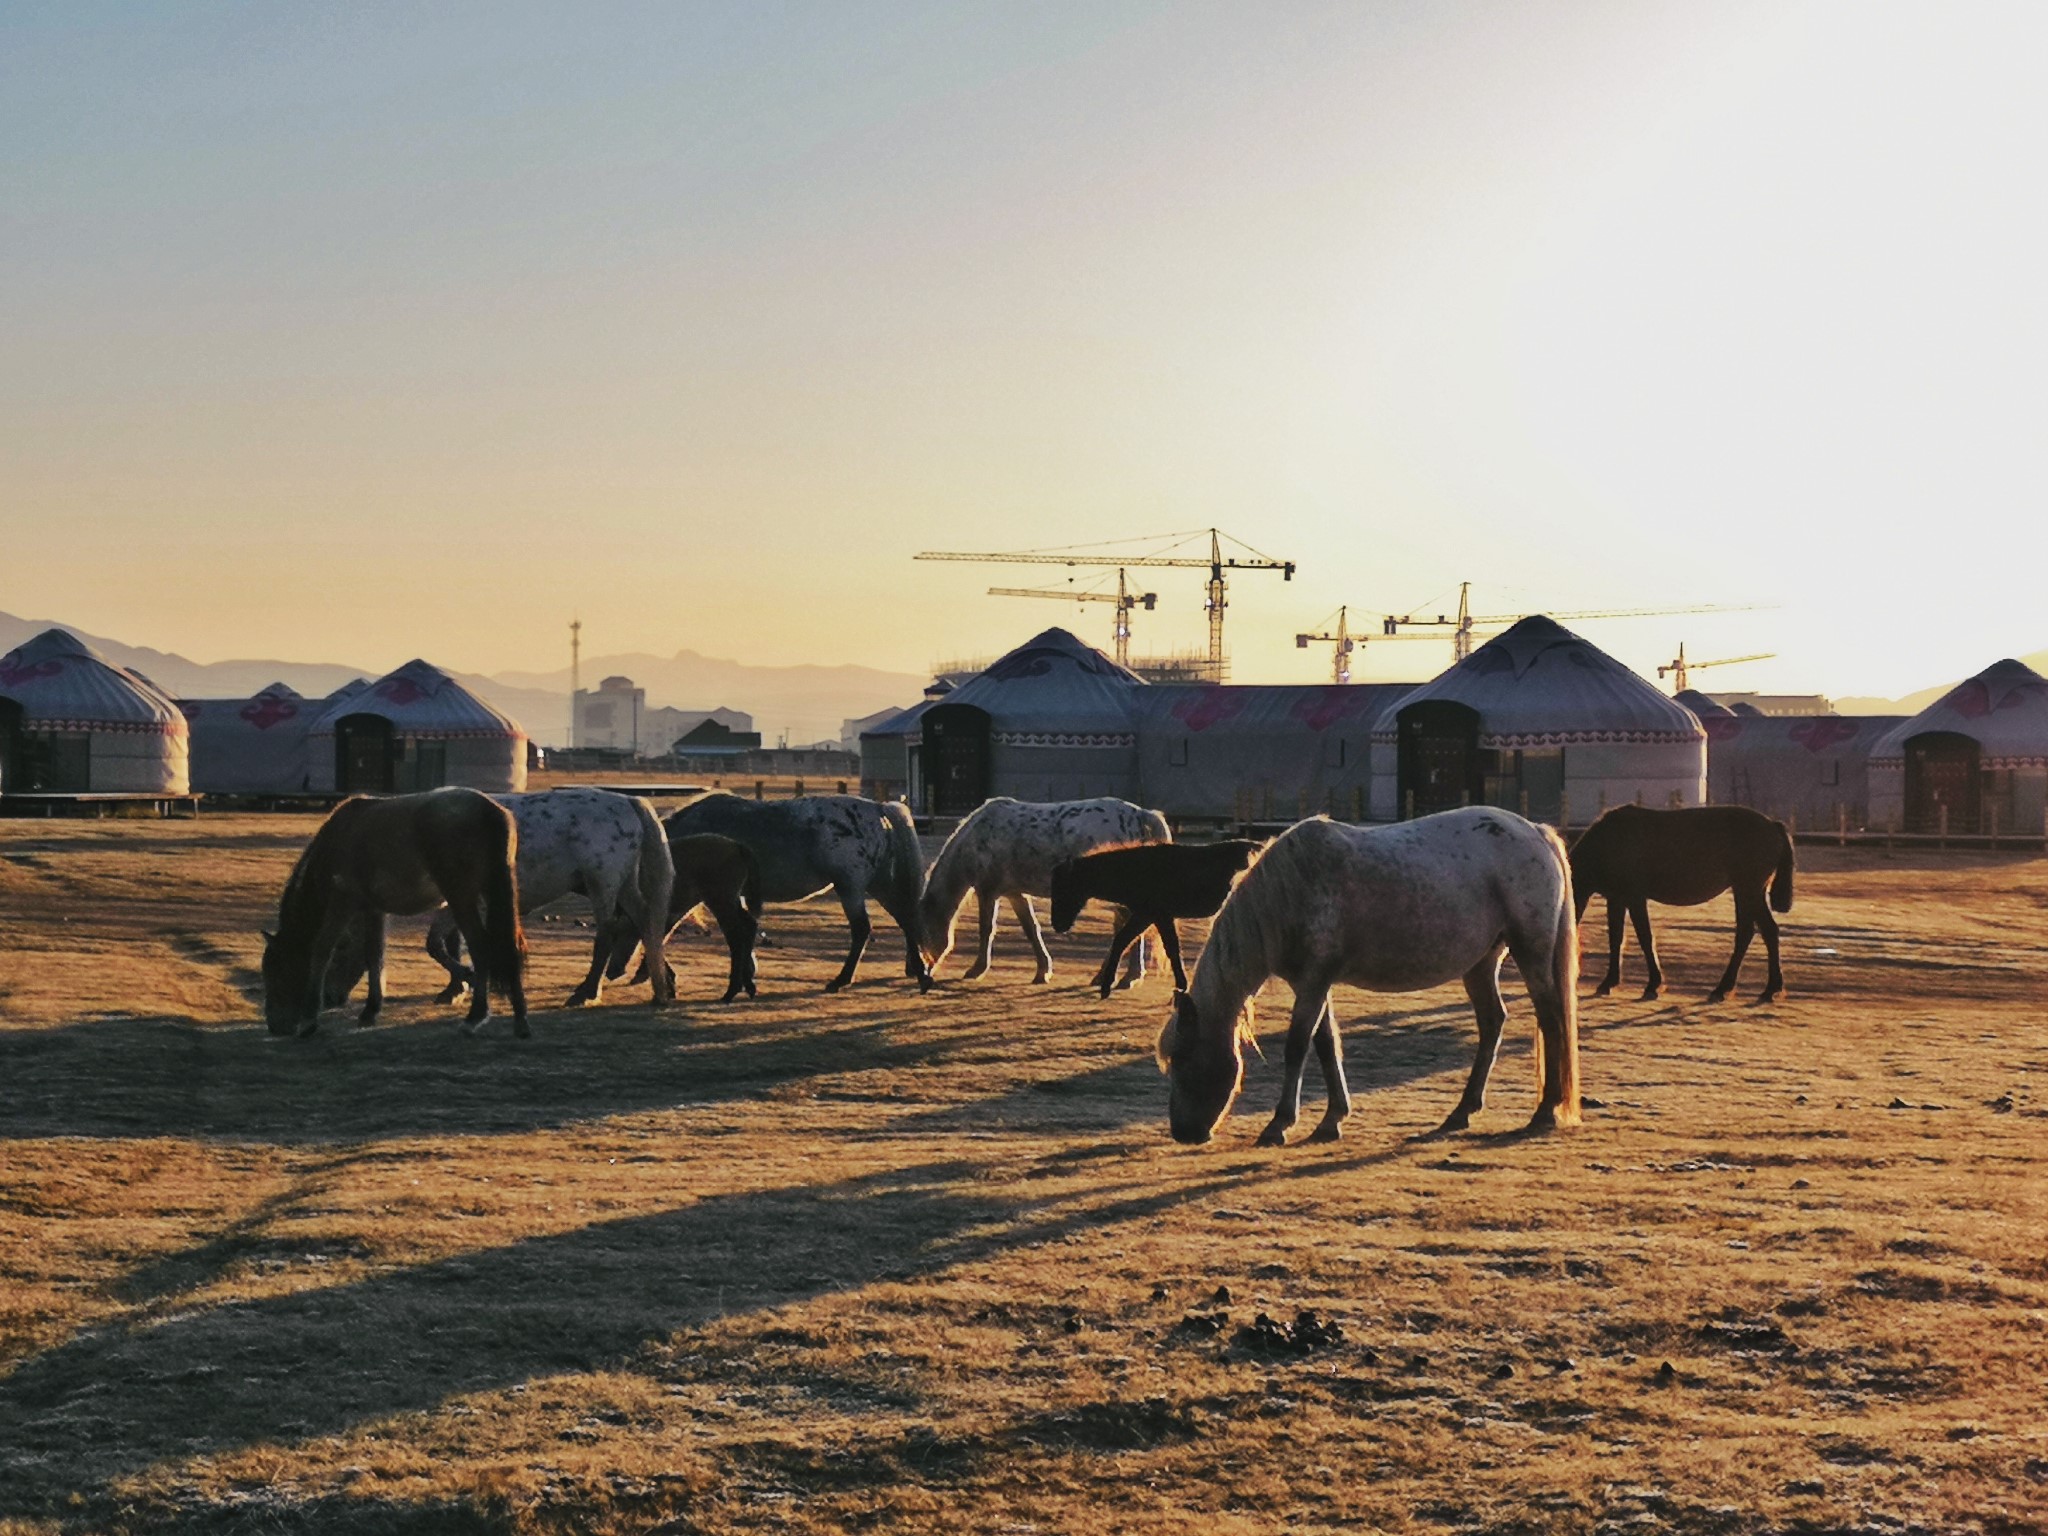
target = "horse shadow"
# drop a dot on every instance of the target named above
(110, 1402)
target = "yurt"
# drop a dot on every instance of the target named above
(1049, 721)
(1811, 770)
(1975, 760)
(252, 746)
(1539, 721)
(72, 722)
(413, 729)
(1259, 753)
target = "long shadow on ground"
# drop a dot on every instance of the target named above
(112, 1402)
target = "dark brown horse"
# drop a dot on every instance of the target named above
(407, 854)
(1152, 883)
(713, 872)
(1634, 856)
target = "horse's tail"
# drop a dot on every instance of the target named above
(503, 931)
(907, 878)
(655, 880)
(1564, 977)
(1781, 883)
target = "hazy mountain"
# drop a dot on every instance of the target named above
(1913, 703)
(808, 702)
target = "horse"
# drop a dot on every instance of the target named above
(853, 847)
(714, 872)
(606, 846)
(1152, 883)
(1391, 909)
(1633, 856)
(1006, 849)
(406, 854)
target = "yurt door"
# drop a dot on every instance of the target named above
(956, 758)
(363, 755)
(10, 746)
(1439, 757)
(1941, 770)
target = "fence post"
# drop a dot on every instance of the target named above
(1357, 803)
(1525, 804)
(1676, 802)
(1301, 805)
(842, 786)
(1464, 797)
(1944, 824)
(1841, 825)
(799, 790)
(760, 790)
(1994, 829)
(1409, 809)
(1564, 810)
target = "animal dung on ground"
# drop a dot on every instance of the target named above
(1308, 1333)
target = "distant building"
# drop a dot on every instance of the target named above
(711, 737)
(1775, 704)
(614, 717)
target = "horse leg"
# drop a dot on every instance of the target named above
(444, 945)
(1330, 1056)
(738, 925)
(855, 906)
(1774, 983)
(1169, 940)
(1482, 985)
(1653, 985)
(1134, 970)
(334, 927)
(1028, 921)
(373, 968)
(1745, 929)
(987, 905)
(1105, 975)
(1310, 1004)
(469, 918)
(1617, 914)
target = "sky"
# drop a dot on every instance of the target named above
(357, 334)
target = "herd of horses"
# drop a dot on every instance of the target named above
(1398, 908)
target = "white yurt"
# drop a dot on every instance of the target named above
(1811, 770)
(1978, 753)
(1050, 721)
(252, 746)
(1537, 720)
(413, 729)
(1259, 752)
(73, 722)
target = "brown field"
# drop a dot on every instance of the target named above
(882, 1262)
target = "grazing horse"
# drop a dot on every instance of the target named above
(1007, 849)
(842, 843)
(1633, 856)
(1390, 909)
(1153, 884)
(594, 843)
(717, 873)
(405, 855)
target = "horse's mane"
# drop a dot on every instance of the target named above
(304, 902)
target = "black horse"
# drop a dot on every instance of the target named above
(1151, 884)
(1633, 856)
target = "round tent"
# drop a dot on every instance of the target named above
(72, 722)
(1049, 721)
(253, 746)
(413, 729)
(1975, 760)
(1702, 705)
(1537, 719)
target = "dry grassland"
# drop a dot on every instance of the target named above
(882, 1262)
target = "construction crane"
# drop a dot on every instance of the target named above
(1123, 597)
(1345, 642)
(1082, 558)
(1464, 629)
(1682, 667)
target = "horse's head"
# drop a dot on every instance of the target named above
(1203, 1072)
(284, 984)
(935, 928)
(1067, 896)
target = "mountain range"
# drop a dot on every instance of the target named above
(807, 702)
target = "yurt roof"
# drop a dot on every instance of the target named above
(349, 689)
(1540, 685)
(1053, 685)
(2004, 708)
(1265, 710)
(1701, 704)
(63, 684)
(422, 700)
(278, 691)
(905, 722)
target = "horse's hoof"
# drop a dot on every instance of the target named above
(1603, 989)
(521, 1029)
(1769, 994)
(1126, 982)
(834, 985)
(1545, 1119)
(974, 973)
(449, 993)
(1453, 1126)
(1103, 993)
(366, 1018)
(1273, 1136)
(1650, 994)
(310, 1027)
(1041, 978)
(924, 983)
(1718, 995)
(1329, 1130)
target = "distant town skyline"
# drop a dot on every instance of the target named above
(359, 336)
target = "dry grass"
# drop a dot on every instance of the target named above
(883, 1262)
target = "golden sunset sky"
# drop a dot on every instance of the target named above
(355, 335)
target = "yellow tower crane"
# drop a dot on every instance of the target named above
(1684, 668)
(1125, 600)
(1090, 558)
(1344, 641)
(1464, 626)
